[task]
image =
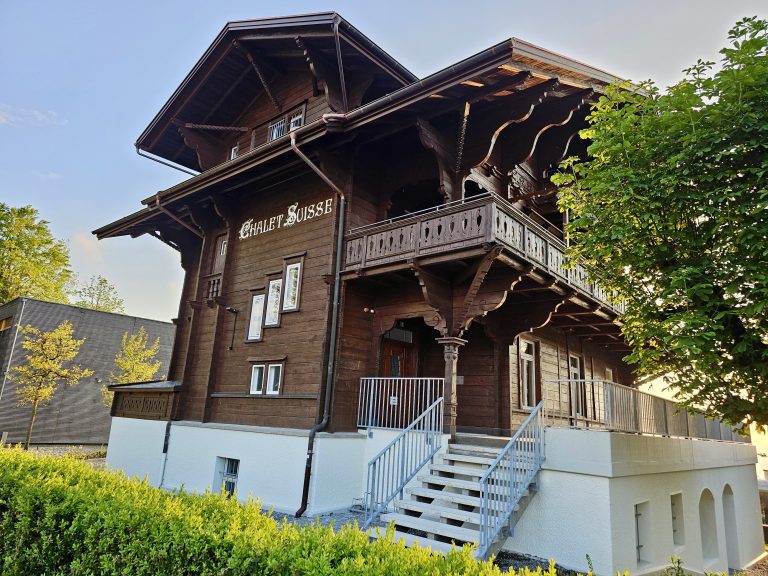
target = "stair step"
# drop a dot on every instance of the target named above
(461, 470)
(482, 440)
(452, 482)
(432, 527)
(468, 459)
(436, 510)
(442, 495)
(411, 540)
(474, 450)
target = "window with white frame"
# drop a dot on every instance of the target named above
(281, 126)
(609, 374)
(267, 378)
(528, 396)
(292, 287)
(578, 386)
(257, 378)
(233, 152)
(272, 315)
(256, 320)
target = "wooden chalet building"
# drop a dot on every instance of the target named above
(374, 274)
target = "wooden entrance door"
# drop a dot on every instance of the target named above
(398, 359)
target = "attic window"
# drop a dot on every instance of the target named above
(281, 126)
(233, 152)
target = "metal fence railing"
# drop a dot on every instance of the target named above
(611, 406)
(400, 460)
(506, 480)
(393, 403)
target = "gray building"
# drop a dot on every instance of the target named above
(76, 414)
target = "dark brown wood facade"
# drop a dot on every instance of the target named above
(451, 236)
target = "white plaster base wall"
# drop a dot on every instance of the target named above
(592, 481)
(136, 447)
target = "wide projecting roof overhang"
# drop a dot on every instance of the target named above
(249, 53)
(508, 69)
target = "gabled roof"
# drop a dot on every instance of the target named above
(224, 79)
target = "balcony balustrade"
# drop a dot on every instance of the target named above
(469, 224)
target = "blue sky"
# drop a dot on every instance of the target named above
(79, 81)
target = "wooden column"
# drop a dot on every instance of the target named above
(451, 346)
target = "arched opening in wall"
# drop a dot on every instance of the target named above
(731, 529)
(708, 525)
(415, 196)
(472, 188)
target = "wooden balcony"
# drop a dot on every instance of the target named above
(466, 224)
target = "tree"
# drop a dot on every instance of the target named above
(48, 364)
(99, 294)
(32, 262)
(672, 208)
(135, 362)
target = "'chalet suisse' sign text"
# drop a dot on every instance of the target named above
(294, 215)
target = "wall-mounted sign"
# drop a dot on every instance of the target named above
(295, 214)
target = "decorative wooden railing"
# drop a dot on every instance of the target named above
(465, 224)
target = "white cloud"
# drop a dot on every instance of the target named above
(86, 250)
(12, 116)
(48, 176)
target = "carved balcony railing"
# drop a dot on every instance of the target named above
(465, 224)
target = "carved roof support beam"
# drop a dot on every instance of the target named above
(508, 323)
(207, 148)
(435, 141)
(520, 145)
(483, 134)
(259, 73)
(463, 319)
(216, 128)
(438, 294)
(555, 143)
(340, 64)
(321, 72)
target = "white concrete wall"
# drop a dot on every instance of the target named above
(592, 481)
(336, 478)
(136, 447)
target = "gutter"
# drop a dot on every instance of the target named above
(323, 423)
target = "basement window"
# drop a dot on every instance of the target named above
(227, 470)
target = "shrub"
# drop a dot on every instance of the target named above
(59, 516)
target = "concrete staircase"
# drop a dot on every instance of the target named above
(445, 508)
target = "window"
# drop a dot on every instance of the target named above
(578, 386)
(5, 323)
(642, 531)
(274, 378)
(528, 396)
(227, 470)
(257, 317)
(609, 374)
(678, 528)
(272, 316)
(292, 287)
(267, 378)
(281, 126)
(233, 152)
(257, 379)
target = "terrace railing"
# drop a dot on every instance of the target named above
(610, 406)
(393, 403)
(463, 224)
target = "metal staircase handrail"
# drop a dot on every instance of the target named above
(400, 460)
(502, 487)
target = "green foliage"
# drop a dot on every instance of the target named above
(34, 263)
(672, 208)
(135, 362)
(99, 294)
(58, 516)
(46, 366)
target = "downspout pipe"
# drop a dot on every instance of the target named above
(13, 345)
(323, 423)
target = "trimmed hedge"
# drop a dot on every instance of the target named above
(58, 516)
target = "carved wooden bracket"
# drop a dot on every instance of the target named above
(520, 146)
(323, 72)
(463, 319)
(555, 143)
(506, 324)
(483, 134)
(438, 294)
(433, 140)
(258, 69)
(207, 147)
